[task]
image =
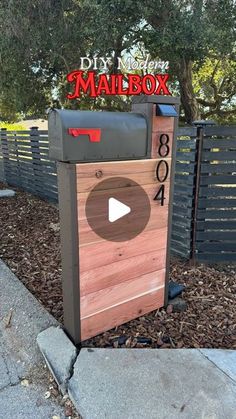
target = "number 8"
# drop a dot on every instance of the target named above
(164, 144)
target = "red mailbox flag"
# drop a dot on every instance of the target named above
(93, 133)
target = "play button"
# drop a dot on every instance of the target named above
(117, 209)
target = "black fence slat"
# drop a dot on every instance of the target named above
(218, 191)
(185, 144)
(216, 225)
(185, 179)
(39, 162)
(179, 219)
(28, 167)
(184, 253)
(220, 143)
(183, 211)
(26, 142)
(218, 168)
(186, 132)
(183, 189)
(216, 235)
(220, 131)
(217, 203)
(18, 133)
(220, 156)
(182, 243)
(220, 246)
(218, 179)
(33, 187)
(184, 246)
(181, 230)
(42, 132)
(184, 167)
(216, 257)
(38, 167)
(29, 154)
(183, 200)
(215, 214)
(29, 148)
(185, 156)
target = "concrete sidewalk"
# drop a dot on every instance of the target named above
(23, 377)
(154, 384)
(143, 383)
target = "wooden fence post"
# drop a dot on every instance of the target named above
(34, 142)
(197, 174)
(5, 152)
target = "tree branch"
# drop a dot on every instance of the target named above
(206, 103)
(219, 112)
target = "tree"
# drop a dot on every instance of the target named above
(40, 42)
(44, 40)
(214, 86)
(113, 29)
(184, 32)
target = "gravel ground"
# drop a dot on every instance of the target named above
(30, 246)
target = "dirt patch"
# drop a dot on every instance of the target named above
(30, 246)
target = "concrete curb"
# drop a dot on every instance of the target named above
(28, 319)
(23, 377)
(59, 353)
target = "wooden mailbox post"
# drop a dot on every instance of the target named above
(110, 280)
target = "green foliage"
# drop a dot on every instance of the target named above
(214, 85)
(187, 33)
(44, 40)
(12, 127)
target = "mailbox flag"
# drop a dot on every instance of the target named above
(93, 133)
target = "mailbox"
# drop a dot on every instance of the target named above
(115, 136)
(115, 184)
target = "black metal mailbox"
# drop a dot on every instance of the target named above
(115, 136)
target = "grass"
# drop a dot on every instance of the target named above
(12, 127)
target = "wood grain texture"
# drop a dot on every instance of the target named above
(162, 123)
(120, 280)
(122, 313)
(150, 189)
(121, 271)
(120, 293)
(157, 221)
(144, 243)
(142, 171)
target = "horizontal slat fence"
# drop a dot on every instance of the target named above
(185, 167)
(26, 163)
(216, 214)
(204, 205)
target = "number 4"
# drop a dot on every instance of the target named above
(160, 196)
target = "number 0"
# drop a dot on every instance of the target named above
(166, 171)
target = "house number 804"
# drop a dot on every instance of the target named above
(163, 151)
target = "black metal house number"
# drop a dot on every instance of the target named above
(163, 151)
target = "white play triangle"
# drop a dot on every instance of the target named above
(116, 209)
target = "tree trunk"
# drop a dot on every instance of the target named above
(188, 100)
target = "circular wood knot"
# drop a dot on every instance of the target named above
(99, 174)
